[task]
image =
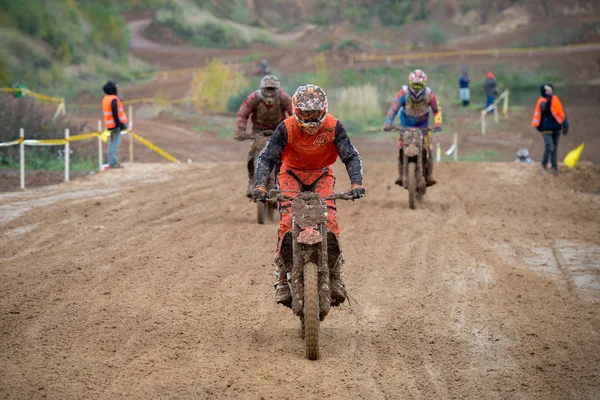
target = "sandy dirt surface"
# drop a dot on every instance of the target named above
(155, 282)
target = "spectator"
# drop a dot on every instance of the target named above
(114, 120)
(549, 118)
(463, 84)
(491, 90)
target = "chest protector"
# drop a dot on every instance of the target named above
(264, 117)
(417, 108)
(305, 151)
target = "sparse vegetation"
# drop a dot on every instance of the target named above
(27, 114)
(214, 84)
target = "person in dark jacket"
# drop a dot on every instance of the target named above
(463, 84)
(549, 118)
(115, 121)
(491, 90)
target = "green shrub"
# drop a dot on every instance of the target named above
(325, 46)
(437, 35)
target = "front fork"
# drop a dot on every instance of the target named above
(301, 255)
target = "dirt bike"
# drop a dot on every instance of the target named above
(415, 156)
(309, 253)
(264, 211)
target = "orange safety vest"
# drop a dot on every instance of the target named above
(310, 151)
(556, 108)
(109, 121)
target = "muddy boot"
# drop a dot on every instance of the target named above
(250, 190)
(338, 287)
(283, 295)
(430, 180)
(399, 180)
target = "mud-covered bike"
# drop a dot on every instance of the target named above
(412, 165)
(310, 252)
(265, 212)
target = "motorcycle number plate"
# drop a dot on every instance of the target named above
(411, 151)
(310, 236)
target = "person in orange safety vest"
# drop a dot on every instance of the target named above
(307, 144)
(549, 118)
(115, 121)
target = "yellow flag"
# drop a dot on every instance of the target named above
(572, 158)
(104, 136)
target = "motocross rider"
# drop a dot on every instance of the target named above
(413, 102)
(268, 106)
(307, 144)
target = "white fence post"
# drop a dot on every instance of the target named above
(455, 146)
(438, 153)
(99, 146)
(505, 104)
(67, 155)
(130, 134)
(495, 111)
(483, 122)
(22, 156)
(64, 107)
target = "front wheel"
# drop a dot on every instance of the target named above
(412, 184)
(311, 310)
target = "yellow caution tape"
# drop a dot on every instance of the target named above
(13, 143)
(83, 136)
(39, 96)
(155, 148)
(454, 53)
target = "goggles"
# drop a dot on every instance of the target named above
(269, 92)
(417, 85)
(310, 116)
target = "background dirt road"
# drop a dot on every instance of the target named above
(155, 282)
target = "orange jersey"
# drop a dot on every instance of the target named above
(310, 151)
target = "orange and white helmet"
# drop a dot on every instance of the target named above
(417, 82)
(309, 105)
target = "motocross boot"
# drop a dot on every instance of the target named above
(399, 180)
(283, 295)
(430, 180)
(338, 287)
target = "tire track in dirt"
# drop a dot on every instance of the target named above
(173, 297)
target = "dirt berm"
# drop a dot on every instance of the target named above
(155, 282)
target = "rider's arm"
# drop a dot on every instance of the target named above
(393, 111)
(245, 111)
(286, 104)
(437, 110)
(271, 155)
(348, 154)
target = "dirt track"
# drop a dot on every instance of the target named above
(155, 282)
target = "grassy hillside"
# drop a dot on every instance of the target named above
(56, 43)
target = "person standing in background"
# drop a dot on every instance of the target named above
(463, 84)
(549, 118)
(114, 120)
(491, 90)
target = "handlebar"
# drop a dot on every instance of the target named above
(277, 195)
(402, 129)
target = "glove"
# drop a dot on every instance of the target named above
(357, 191)
(437, 128)
(565, 132)
(260, 193)
(240, 135)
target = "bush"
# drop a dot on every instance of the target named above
(325, 46)
(214, 84)
(437, 35)
(357, 107)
